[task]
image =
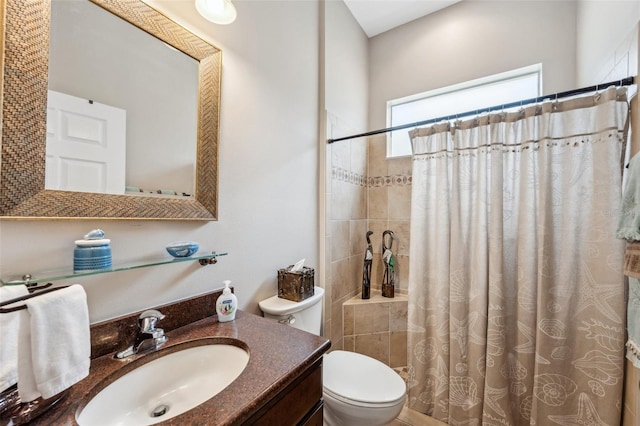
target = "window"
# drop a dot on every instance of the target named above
(498, 89)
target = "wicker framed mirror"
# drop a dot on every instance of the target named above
(24, 108)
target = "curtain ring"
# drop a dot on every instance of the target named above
(555, 103)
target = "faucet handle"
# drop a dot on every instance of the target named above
(147, 320)
(152, 313)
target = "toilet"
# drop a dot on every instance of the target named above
(357, 389)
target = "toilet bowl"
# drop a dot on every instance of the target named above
(357, 389)
(360, 390)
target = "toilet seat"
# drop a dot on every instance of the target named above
(360, 380)
(329, 394)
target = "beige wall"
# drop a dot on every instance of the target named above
(268, 176)
(346, 66)
(607, 40)
(469, 40)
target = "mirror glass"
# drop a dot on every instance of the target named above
(167, 120)
(123, 115)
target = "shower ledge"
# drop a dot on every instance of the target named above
(376, 297)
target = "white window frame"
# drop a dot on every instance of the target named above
(535, 69)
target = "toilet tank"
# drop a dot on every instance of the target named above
(305, 315)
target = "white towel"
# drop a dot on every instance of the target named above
(633, 322)
(629, 221)
(9, 325)
(27, 389)
(60, 343)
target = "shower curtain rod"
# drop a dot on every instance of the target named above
(624, 82)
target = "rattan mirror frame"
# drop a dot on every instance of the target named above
(24, 108)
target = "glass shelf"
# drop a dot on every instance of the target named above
(204, 257)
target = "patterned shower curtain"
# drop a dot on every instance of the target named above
(517, 304)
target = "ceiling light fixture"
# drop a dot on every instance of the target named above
(217, 11)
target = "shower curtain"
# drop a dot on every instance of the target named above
(516, 311)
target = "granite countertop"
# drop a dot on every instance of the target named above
(278, 354)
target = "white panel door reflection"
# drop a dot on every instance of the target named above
(86, 145)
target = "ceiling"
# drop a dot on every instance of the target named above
(378, 16)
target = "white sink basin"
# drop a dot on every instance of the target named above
(167, 386)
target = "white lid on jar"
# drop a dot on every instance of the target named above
(92, 243)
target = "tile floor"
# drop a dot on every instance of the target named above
(409, 417)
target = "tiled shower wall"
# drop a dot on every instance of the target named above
(389, 208)
(346, 215)
(364, 192)
(377, 327)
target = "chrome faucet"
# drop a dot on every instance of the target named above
(148, 336)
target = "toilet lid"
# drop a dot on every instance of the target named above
(278, 306)
(361, 378)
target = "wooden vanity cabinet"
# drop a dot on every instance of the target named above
(300, 403)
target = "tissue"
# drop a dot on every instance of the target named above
(298, 265)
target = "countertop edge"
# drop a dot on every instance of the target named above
(244, 397)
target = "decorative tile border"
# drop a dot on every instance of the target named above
(347, 176)
(393, 180)
(344, 175)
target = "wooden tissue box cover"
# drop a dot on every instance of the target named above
(295, 286)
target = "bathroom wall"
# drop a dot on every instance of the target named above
(608, 49)
(469, 40)
(268, 208)
(607, 40)
(345, 86)
(346, 227)
(389, 207)
(377, 327)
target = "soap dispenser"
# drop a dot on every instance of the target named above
(227, 304)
